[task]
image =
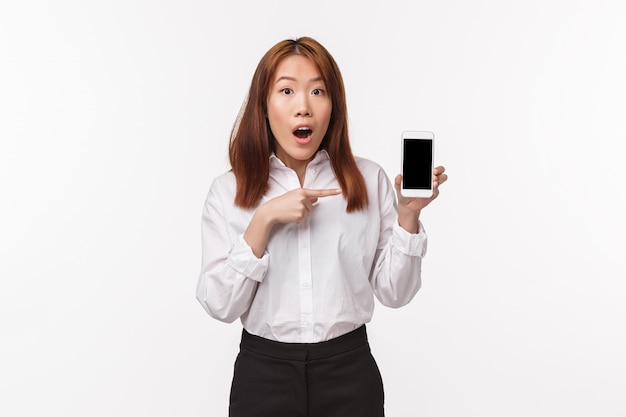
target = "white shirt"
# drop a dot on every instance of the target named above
(317, 279)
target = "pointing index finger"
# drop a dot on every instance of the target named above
(321, 192)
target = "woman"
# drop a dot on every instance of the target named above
(298, 239)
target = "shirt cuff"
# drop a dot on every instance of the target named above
(242, 260)
(413, 244)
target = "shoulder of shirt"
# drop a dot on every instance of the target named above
(225, 177)
(224, 185)
(367, 166)
(374, 175)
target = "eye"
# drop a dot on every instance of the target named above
(317, 92)
(286, 91)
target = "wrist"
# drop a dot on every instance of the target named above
(264, 216)
(409, 221)
(258, 231)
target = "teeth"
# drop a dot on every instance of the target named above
(303, 128)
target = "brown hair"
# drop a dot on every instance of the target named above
(252, 142)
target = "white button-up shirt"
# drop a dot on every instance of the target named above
(317, 279)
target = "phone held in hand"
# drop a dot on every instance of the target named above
(417, 164)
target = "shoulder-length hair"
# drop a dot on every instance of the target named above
(252, 142)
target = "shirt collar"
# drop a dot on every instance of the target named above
(320, 157)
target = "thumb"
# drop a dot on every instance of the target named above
(398, 182)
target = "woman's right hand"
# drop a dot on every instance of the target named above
(292, 207)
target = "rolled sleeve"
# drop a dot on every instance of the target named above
(243, 260)
(412, 244)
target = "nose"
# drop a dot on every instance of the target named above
(303, 109)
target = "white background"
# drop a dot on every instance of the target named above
(115, 117)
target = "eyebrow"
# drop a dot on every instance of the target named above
(284, 77)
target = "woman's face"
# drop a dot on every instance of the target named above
(298, 110)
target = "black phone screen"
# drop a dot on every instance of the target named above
(417, 164)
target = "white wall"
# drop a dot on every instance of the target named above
(115, 116)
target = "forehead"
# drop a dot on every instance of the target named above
(297, 66)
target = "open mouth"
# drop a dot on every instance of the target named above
(302, 132)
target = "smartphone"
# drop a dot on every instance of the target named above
(417, 164)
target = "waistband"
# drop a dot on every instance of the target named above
(305, 351)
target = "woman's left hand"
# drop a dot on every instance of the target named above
(409, 208)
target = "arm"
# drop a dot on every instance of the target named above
(396, 275)
(230, 271)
